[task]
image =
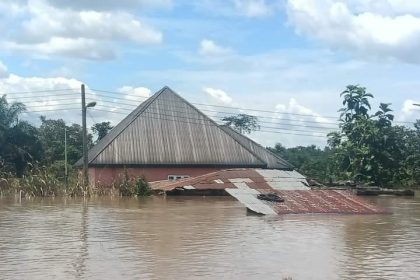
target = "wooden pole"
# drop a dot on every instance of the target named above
(65, 157)
(85, 156)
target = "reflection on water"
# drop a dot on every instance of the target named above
(206, 238)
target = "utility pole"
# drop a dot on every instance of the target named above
(85, 156)
(65, 157)
(84, 132)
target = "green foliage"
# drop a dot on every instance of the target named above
(242, 123)
(142, 187)
(101, 129)
(369, 149)
(19, 143)
(311, 160)
(133, 186)
(51, 134)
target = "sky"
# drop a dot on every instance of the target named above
(284, 61)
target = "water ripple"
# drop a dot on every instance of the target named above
(206, 238)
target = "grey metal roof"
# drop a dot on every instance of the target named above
(167, 130)
(272, 160)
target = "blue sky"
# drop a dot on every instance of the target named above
(289, 58)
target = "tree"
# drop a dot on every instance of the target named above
(19, 143)
(311, 160)
(101, 129)
(242, 123)
(369, 149)
(52, 137)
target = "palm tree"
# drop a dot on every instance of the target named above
(9, 113)
(19, 143)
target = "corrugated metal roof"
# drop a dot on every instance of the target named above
(272, 160)
(250, 200)
(284, 180)
(246, 184)
(167, 130)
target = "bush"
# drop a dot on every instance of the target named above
(142, 187)
(133, 186)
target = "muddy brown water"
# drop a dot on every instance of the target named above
(202, 238)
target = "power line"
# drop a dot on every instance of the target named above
(220, 106)
(37, 103)
(185, 117)
(279, 130)
(219, 112)
(38, 91)
(44, 96)
(229, 107)
(200, 104)
(201, 123)
(133, 108)
(42, 111)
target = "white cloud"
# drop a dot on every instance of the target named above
(28, 91)
(292, 119)
(370, 30)
(300, 113)
(409, 112)
(3, 70)
(138, 94)
(88, 34)
(110, 4)
(209, 48)
(59, 98)
(252, 8)
(238, 8)
(218, 94)
(408, 106)
(71, 47)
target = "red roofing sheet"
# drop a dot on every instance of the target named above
(323, 201)
(296, 201)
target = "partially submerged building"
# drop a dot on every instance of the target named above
(271, 192)
(182, 151)
(167, 138)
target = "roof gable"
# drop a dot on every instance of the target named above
(167, 130)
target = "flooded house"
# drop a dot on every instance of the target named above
(181, 151)
(167, 138)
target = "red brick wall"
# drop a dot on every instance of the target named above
(106, 176)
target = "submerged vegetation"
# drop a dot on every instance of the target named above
(368, 148)
(42, 182)
(128, 186)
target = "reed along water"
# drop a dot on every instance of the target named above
(202, 238)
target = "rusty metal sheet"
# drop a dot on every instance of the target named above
(246, 184)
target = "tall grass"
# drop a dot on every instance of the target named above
(41, 181)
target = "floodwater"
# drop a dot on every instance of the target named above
(202, 238)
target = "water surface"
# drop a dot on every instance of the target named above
(202, 238)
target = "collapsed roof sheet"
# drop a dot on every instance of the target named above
(246, 184)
